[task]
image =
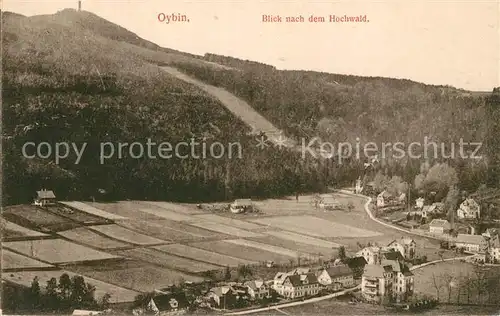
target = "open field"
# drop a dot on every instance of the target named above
(225, 229)
(86, 236)
(166, 260)
(315, 226)
(125, 209)
(185, 209)
(203, 255)
(14, 230)
(168, 230)
(77, 215)
(92, 210)
(173, 216)
(33, 216)
(121, 233)
(12, 260)
(57, 251)
(25, 278)
(137, 276)
(303, 239)
(229, 221)
(464, 282)
(277, 206)
(297, 246)
(266, 247)
(244, 252)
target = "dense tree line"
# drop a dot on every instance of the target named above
(53, 106)
(56, 297)
(88, 91)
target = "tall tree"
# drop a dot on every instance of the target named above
(35, 294)
(342, 253)
(451, 203)
(51, 298)
(492, 138)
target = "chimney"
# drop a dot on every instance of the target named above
(79, 5)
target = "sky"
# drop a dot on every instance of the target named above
(453, 43)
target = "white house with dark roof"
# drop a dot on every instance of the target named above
(45, 197)
(371, 254)
(257, 289)
(168, 303)
(406, 246)
(295, 285)
(469, 209)
(336, 277)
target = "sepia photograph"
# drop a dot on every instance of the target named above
(240, 157)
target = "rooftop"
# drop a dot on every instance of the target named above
(170, 301)
(45, 194)
(373, 270)
(440, 223)
(339, 271)
(470, 239)
(392, 255)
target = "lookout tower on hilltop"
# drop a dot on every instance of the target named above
(79, 5)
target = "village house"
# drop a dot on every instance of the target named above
(336, 277)
(376, 282)
(45, 197)
(419, 203)
(406, 246)
(257, 289)
(396, 247)
(224, 297)
(296, 285)
(371, 254)
(436, 208)
(240, 206)
(469, 209)
(168, 303)
(403, 280)
(494, 249)
(439, 226)
(390, 254)
(490, 233)
(430, 210)
(471, 243)
(382, 198)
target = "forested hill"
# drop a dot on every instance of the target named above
(75, 77)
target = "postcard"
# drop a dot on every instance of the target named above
(250, 157)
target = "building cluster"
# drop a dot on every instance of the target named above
(296, 284)
(387, 277)
(486, 246)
